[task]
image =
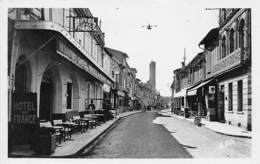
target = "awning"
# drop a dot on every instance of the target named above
(193, 91)
(52, 26)
(181, 93)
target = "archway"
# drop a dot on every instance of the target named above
(22, 75)
(50, 93)
(46, 97)
(75, 92)
(20, 129)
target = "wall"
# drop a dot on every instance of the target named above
(61, 73)
(235, 116)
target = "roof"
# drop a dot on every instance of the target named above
(200, 56)
(210, 37)
(196, 59)
(134, 70)
(115, 52)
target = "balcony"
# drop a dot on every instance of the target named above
(227, 15)
(228, 62)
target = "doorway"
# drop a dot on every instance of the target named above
(46, 95)
(221, 103)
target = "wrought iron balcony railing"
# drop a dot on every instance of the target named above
(227, 62)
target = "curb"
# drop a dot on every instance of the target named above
(89, 146)
(232, 135)
(223, 133)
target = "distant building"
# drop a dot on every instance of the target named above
(152, 79)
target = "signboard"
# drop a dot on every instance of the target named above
(24, 109)
(106, 88)
(120, 93)
(212, 89)
(69, 54)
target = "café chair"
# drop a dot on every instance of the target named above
(79, 123)
(47, 126)
(67, 131)
(92, 122)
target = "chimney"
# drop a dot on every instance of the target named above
(182, 64)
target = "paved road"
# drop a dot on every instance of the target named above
(201, 142)
(137, 137)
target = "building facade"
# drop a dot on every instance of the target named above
(187, 93)
(120, 71)
(56, 57)
(233, 67)
(226, 83)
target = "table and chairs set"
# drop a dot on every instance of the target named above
(63, 130)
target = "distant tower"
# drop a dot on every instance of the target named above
(152, 79)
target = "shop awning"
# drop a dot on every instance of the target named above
(181, 93)
(93, 67)
(193, 91)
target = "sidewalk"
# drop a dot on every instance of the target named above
(85, 140)
(218, 127)
(80, 142)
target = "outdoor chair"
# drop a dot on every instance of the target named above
(66, 129)
(81, 125)
(92, 122)
(57, 132)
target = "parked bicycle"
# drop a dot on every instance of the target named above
(197, 119)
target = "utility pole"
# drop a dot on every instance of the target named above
(184, 57)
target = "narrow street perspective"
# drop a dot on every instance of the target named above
(159, 79)
(152, 135)
(137, 137)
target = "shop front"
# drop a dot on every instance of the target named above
(47, 64)
(201, 99)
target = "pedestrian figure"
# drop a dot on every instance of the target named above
(91, 107)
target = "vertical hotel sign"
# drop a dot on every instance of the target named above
(24, 109)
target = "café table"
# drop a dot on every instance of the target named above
(97, 116)
(59, 132)
(85, 123)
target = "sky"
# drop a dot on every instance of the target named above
(180, 24)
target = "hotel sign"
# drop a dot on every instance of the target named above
(24, 108)
(69, 54)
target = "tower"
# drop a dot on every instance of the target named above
(152, 79)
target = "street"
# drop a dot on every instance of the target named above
(201, 142)
(137, 137)
(143, 136)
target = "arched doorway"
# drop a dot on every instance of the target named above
(46, 97)
(22, 76)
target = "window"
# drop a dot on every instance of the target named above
(69, 95)
(231, 41)
(223, 45)
(241, 34)
(182, 101)
(88, 94)
(240, 95)
(230, 97)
